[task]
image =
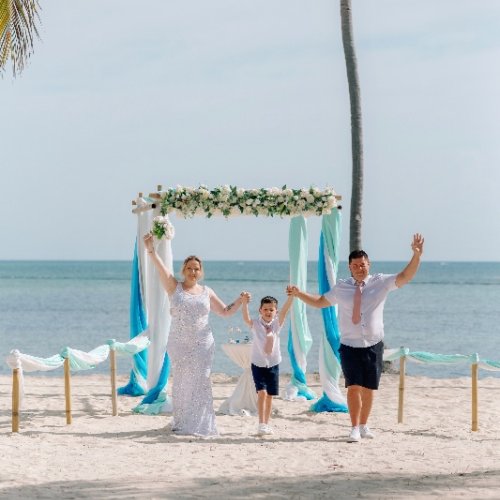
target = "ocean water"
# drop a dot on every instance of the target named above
(449, 308)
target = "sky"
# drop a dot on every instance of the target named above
(118, 99)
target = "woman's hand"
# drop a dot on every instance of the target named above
(149, 243)
(245, 297)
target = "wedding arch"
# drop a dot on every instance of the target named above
(149, 305)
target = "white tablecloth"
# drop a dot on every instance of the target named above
(243, 400)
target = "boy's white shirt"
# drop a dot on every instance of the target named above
(259, 357)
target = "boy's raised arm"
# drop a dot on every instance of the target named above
(284, 310)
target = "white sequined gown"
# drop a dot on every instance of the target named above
(191, 349)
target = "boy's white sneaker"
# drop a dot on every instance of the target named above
(261, 429)
(366, 433)
(264, 429)
(354, 435)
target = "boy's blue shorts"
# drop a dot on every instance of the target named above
(267, 379)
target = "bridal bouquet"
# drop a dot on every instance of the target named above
(162, 227)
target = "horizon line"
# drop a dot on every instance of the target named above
(439, 261)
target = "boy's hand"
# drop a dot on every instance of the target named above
(246, 297)
(292, 290)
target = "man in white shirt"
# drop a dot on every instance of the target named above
(361, 300)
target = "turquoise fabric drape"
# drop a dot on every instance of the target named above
(299, 339)
(329, 364)
(138, 323)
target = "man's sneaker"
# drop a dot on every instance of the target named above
(354, 436)
(366, 433)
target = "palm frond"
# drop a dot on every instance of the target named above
(18, 30)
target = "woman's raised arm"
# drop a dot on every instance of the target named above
(166, 277)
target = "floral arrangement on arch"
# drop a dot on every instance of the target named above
(162, 227)
(230, 201)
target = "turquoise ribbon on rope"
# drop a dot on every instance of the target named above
(133, 346)
(440, 359)
(79, 360)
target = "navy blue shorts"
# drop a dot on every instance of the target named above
(362, 365)
(267, 379)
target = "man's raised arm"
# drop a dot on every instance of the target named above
(407, 274)
(308, 298)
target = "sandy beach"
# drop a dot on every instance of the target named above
(432, 454)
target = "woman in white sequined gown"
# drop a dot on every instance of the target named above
(191, 344)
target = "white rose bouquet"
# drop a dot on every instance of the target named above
(162, 227)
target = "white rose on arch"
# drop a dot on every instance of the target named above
(233, 201)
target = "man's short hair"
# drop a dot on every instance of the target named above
(358, 254)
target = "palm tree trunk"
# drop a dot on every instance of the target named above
(355, 225)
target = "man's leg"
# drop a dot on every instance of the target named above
(372, 368)
(366, 405)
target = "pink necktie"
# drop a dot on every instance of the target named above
(269, 344)
(356, 309)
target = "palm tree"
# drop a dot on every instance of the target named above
(17, 31)
(355, 241)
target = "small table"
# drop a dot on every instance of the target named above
(243, 400)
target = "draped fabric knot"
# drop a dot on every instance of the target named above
(14, 359)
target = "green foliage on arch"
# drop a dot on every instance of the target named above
(230, 201)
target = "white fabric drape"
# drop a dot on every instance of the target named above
(155, 298)
(243, 400)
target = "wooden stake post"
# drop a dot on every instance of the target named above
(15, 400)
(67, 390)
(401, 399)
(474, 374)
(112, 359)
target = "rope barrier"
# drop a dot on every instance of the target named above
(76, 360)
(447, 359)
(403, 353)
(72, 360)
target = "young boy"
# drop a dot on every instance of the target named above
(266, 354)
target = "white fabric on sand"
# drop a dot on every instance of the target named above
(243, 400)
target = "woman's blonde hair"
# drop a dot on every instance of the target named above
(189, 258)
